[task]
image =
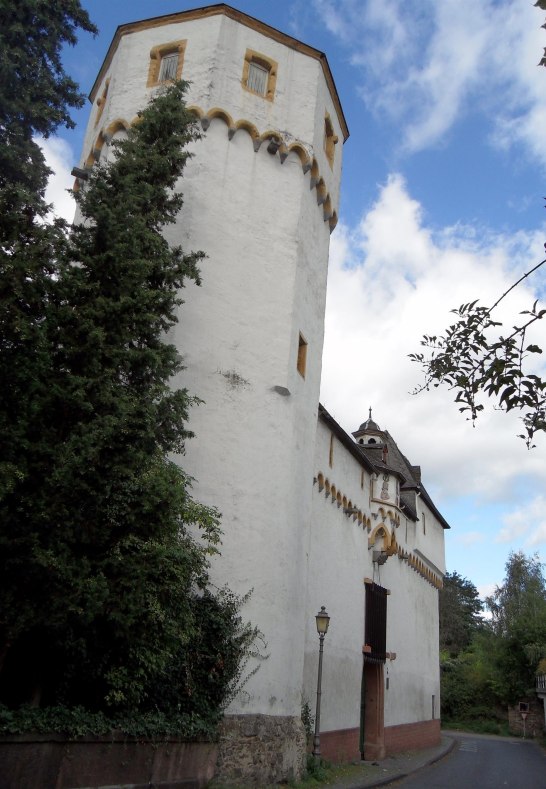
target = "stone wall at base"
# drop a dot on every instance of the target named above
(534, 721)
(260, 749)
(411, 736)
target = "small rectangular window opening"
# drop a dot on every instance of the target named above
(302, 356)
(169, 67)
(331, 452)
(257, 78)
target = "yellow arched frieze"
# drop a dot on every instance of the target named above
(217, 112)
(315, 173)
(380, 531)
(322, 192)
(302, 155)
(327, 209)
(248, 127)
(117, 125)
(275, 144)
(195, 110)
(320, 480)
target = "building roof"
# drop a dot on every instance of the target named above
(243, 19)
(375, 459)
(398, 462)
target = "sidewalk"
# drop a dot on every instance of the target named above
(367, 774)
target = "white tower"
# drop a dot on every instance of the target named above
(260, 198)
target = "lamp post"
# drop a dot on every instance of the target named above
(323, 621)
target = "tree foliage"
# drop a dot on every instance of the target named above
(498, 665)
(474, 359)
(105, 600)
(460, 609)
(518, 610)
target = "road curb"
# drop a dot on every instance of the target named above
(398, 776)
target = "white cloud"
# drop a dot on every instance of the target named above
(59, 158)
(426, 64)
(486, 590)
(526, 525)
(470, 538)
(391, 280)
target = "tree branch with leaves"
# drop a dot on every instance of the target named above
(474, 358)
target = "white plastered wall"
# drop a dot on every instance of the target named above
(264, 282)
(338, 561)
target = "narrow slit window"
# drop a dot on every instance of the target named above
(331, 452)
(257, 78)
(302, 356)
(101, 102)
(330, 140)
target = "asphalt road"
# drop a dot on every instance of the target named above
(483, 762)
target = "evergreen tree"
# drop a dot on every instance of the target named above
(460, 609)
(35, 98)
(104, 592)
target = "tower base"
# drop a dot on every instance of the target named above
(257, 750)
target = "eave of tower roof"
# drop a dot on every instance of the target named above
(243, 19)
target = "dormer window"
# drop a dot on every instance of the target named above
(166, 61)
(259, 74)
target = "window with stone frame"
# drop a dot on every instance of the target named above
(166, 62)
(259, 74)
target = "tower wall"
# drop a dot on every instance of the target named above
(260, 198)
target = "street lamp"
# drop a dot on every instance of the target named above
(323, 620)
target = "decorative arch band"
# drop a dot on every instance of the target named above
(275, 145)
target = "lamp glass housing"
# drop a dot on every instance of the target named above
(323, 620)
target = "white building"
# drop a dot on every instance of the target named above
(304, 507)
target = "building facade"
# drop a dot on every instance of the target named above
(260, 198)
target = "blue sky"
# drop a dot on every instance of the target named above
(441, 204)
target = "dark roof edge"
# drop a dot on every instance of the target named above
(353, 448)
(432, 507)
(349, 444)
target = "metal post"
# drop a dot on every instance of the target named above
(316, 738)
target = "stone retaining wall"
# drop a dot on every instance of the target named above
(534, 722)
(260, 749)
(52, 762)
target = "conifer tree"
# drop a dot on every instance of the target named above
(105, 599)
(35, 98)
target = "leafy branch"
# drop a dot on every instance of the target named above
(473, 359)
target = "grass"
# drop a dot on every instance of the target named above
(325, 773)
(478, 726)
